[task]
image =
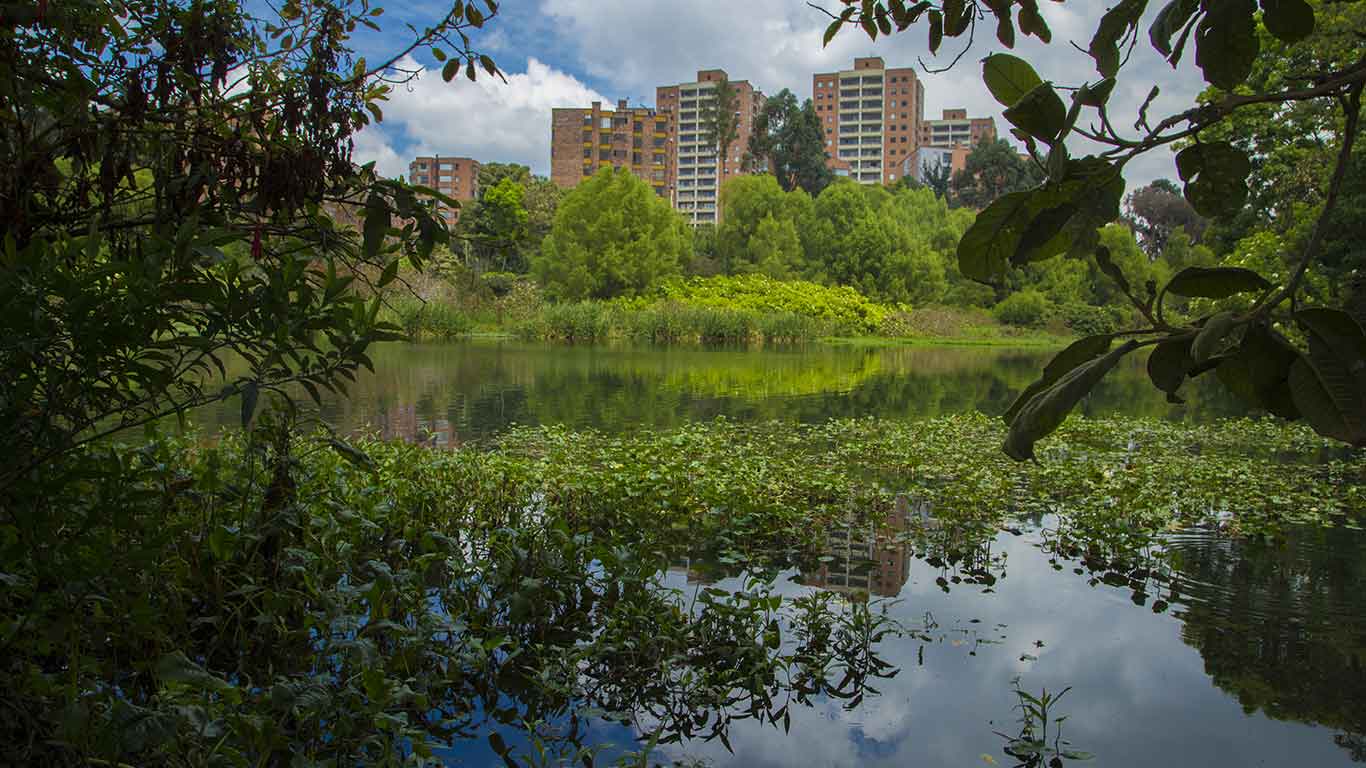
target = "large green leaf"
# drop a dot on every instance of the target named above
(1009, 78)
(376, 226)
(986, 248)
(1313, 400)
(1211, 338)
(1113, 27)
(1216, 177)
(1168, 366)
(1039, 113)
(1047, 410)
(1173, 16)
(1226, 42)
(1076, 353)
(1258, 372)
(1337, 355)
(176, 667)
(1289, 20)
(1215, 282)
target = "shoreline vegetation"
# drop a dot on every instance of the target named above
(742, 309)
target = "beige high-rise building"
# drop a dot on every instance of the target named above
(698, 170)
(871, 116)
(638, 139)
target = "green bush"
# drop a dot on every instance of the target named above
(841, 308)
(1087, 320)
(1025, 309)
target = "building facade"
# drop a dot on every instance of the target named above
(698, 170)
(957, 129)
(638, 139)
(930, 159)
(872, 119)
(456, 177)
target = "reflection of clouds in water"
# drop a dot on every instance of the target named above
(1140, 695)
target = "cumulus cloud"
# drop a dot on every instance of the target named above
(488, 120)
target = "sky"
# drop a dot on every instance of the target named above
(569, 53)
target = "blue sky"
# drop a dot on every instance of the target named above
(570, 52)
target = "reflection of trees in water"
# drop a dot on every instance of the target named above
(1282, 627)
(481, 389)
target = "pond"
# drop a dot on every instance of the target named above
(454, 393)
(1219, 651)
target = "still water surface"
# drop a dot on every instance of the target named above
(454, 393)
(1245, 653)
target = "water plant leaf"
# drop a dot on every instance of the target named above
(1049, 408)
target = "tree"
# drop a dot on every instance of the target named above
(775, 248)
(939, 177)
(746, 201)
(721, 120)
(1155, 211)
(612, 236)
(788, 141)
(1325, 383)
(993, 169)
(860, 237)
(499, 226)
(490, 174)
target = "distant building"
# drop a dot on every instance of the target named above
(872, 119)
(638, 139)
(927, 159)
(456, 177)
(956, 129)
(697, 170)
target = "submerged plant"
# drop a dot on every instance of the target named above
(1040, 740)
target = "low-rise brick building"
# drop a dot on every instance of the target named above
(456, 177)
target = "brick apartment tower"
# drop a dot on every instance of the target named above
(635, 138)
(457, 177)
(956, 129)
(872, 118)
(698, 172)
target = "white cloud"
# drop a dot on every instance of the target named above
(488, 120)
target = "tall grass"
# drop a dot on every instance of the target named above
(667, 323)
(426, 320)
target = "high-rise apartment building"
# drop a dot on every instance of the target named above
(872, 119)
(957, 129)
(456, 177)
(638, 139)
(697, 167)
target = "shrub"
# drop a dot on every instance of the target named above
(1088, 320)
(1025, 309)
(840, 307)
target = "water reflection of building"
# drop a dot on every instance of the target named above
(693, 570)
(862, 559)
(401, 422)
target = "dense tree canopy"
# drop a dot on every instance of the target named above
(612, 236)
(788, 142)
(993, 168)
